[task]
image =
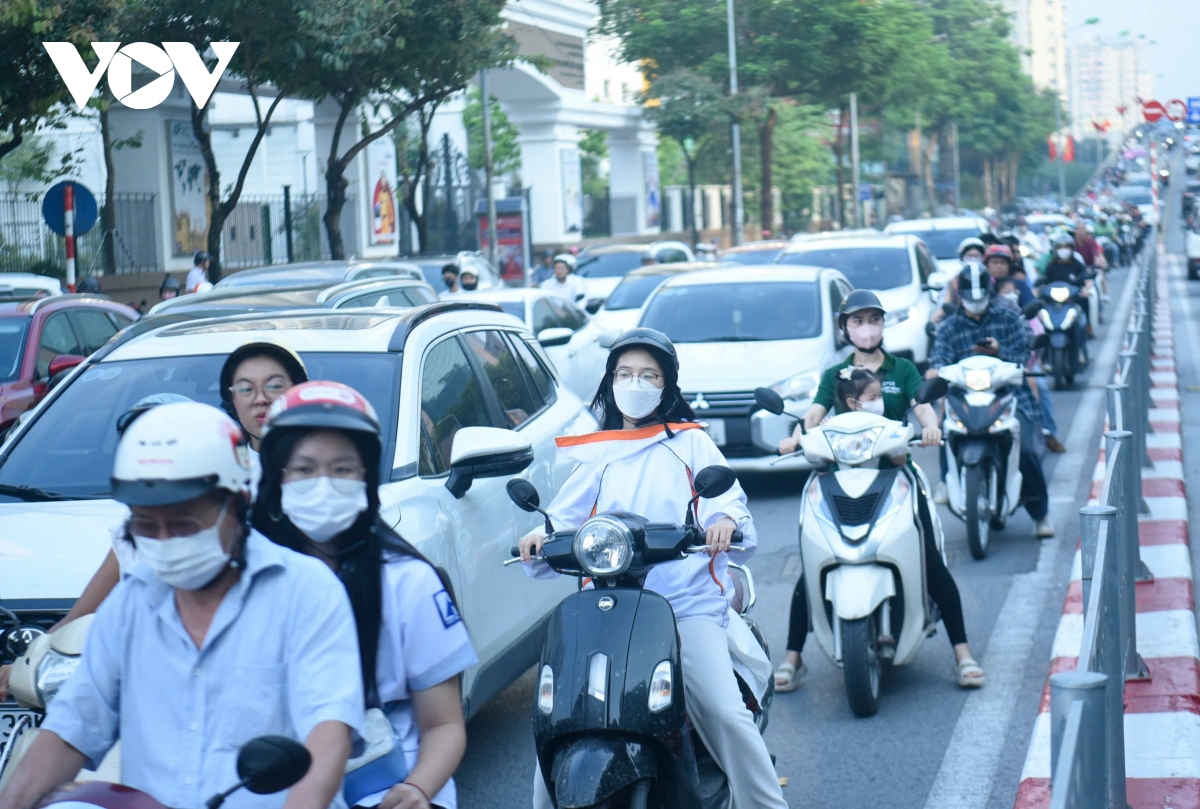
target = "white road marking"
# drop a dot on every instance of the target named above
(1166, 633)
(1157, 745)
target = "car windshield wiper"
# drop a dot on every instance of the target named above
(735, 338)
(32, 494)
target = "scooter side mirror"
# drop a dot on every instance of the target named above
(931, 328)
(949, 308)
(271, 764)
(524, 494)
(931, 390)
(714, 481)
(1031, 309)
(1041, 341)
(769, 400)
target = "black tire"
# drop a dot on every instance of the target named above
(861, 665)
(1059, 360)
(976, 511)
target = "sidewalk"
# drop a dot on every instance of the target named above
(1162, 714)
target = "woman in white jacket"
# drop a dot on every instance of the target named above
(643, 460)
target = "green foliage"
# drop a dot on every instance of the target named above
(506, 151)
(685, 106)
(593, 148)
(34, 161)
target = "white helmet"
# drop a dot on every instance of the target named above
(177, 452)
(565, 258)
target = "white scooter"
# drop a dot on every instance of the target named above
(983, 445)
(861, 546)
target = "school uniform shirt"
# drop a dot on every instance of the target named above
(422, 642)
(195, 277)
(571, 289)
(644, 472)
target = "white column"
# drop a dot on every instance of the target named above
(627, 151)
(674, 195)
(542, 148)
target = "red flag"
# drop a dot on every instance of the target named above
(1069, 150)
(1050, 142)
(1098, 126)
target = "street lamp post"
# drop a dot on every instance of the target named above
(739, 213)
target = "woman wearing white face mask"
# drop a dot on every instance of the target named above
(319, 495)
(641, 461)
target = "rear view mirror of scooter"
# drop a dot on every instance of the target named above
(1032, 308)
(525, 495)
(769, 401)
(714, 481)
(931, 390)
(267, 765)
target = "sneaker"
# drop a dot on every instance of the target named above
(940, 495)
(1044, 529)
(1054, 445)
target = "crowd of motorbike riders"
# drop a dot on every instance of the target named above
(254, 589)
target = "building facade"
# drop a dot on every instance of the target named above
(1106, 77)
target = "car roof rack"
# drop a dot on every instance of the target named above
(75, 296)
(418, 315)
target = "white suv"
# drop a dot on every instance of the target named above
(896, 268)
(429, 372)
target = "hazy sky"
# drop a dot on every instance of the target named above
(1174, 24)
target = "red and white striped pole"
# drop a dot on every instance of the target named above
(69, 227)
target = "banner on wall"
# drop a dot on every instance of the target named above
(572, 191)
(381, 191)
(653, 193)
(512, 237)
(189, 190)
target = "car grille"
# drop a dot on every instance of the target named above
(740, 402)
(855, 510)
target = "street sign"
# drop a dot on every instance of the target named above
(1176, 109)
(1193, 110)
(53, 208)
(1153, 111)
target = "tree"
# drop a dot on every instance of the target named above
(685, 106)
(506, 151)
(380, 61)
(33, 161)
(413, 153)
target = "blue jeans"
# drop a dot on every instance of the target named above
(1047, 406)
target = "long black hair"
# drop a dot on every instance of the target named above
(361, 550)
(672, 408)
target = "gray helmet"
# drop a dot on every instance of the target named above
(859, 300)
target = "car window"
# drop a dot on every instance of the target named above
(944, 243)
(836, 297)
(543, 316)
(925, 262)
(12, 346)
(632, 292)
(380, 297)
(671, 255)
(543, 382)
(608, 265)
(865, 267)
(57, 338)
(726, 313)
(93, 327)
(451, 398)
(569, 316)
(419, 295)
(501, 368)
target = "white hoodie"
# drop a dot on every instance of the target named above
(643, 472)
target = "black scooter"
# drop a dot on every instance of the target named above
(610, 724)
(1060, 310)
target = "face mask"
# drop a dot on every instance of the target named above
(866, 337)
(636, 399)
(1022, 229)
(1015, 297)
(186, 563)
(323, 507)
(976, 307)
(874, 407)
(469, 286)
(972, 260)
(1063, 253)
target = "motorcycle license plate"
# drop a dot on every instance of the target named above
(12, 717)
(716, 431)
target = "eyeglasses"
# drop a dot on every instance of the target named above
(173, 526)
(245, 390)
(624, 375)
(298, 472)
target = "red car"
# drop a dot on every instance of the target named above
(42, 337)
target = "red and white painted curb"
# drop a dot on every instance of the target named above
(1162, 714)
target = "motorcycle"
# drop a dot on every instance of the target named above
(983, 445)
(610, 722)
(1058, 310)
(861, 546)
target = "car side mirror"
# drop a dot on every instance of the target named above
(64, 362)
(485, 452)
(558, 336)
(936, 281)
(769, 400)
(714, 481)
(607, 339)
(931, 390)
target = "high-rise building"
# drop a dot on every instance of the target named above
(1105, 77)
(1039, 30)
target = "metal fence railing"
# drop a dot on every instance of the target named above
(28, 245)
(1087, 722)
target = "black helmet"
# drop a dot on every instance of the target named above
(646, 338)
(289, 359)
(200, 256)
(974, 287)
(169, 283)
(88, 284)
(859, 300)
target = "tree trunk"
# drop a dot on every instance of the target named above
(927, 168)
(216, 219)
(420, 184)
(691, 206)
(840, 214)
(989, 197)
(108, 213)
(1013, 167)
(766, 134)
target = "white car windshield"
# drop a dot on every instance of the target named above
(730, 313)
(608, 265)
(633, 291)
(865, 267)
(69, 448)
(943, 243)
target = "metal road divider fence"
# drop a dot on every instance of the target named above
(1087, 722)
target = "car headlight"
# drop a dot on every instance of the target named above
(661, 684)
(978, 379)
(603, 546)
(545, 696)
(54, 670)
(1060, 294)
(1044, 317)
(800, 386)
(853, 448)
(897, 317)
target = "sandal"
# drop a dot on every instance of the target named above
(787, 677)
(970, 675)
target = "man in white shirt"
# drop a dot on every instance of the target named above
(565, 283)
(199, 273)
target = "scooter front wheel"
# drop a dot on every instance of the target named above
(978, 511)
(861, 665)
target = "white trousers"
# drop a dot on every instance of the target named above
(714, 704)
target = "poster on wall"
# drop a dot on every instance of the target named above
(511, 237)
(653, 194)
(381, 191)
(572, 187)
(189, 190)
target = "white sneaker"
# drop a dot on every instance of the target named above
(1044, 528)
(940, 495)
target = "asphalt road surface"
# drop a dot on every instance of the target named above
(931, 744)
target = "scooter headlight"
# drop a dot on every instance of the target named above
(661, 684)
(54, 670)
(1069, 318)
(897, 496)
(853, 448)
(978, 379)
(1060, 294)
(1044, 317)
(604, 546)
(545, 695)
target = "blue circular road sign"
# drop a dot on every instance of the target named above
(85, 208)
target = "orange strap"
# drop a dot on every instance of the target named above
(620, 435)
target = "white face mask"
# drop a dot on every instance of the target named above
(874, 407)
(1064, 253)
(186, 563)
(973, 260)
(636, 399)
(1015, 297)
(976, 307)
(323, 507)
